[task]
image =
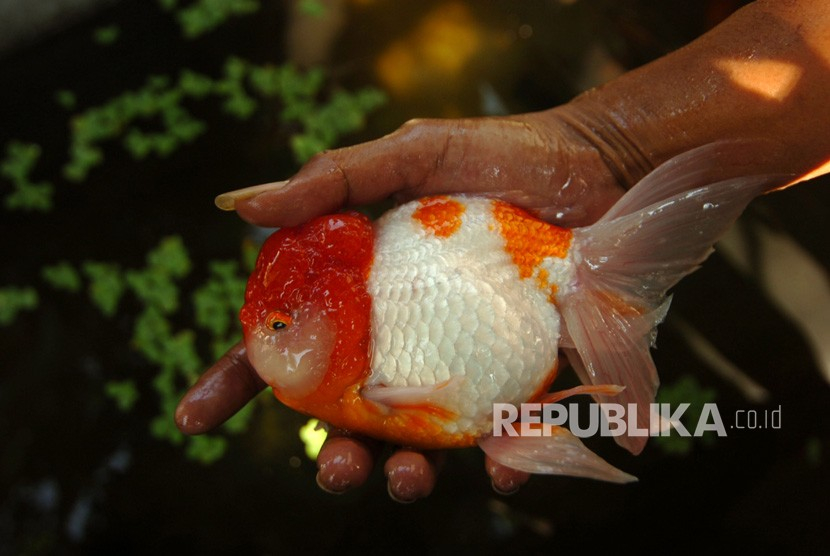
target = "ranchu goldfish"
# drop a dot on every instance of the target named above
(411, 328)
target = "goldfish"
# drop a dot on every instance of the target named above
(410, 328)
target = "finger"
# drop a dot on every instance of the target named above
(518, 159)
(222, 391)
(353, 175)
(345, 461)
(411, 474)
(505, 480)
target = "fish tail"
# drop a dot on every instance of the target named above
(661, 230)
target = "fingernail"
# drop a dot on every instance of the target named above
(327, 488)
(505, 492)
(397, 498)
(227, 201)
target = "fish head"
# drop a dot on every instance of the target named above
(306, 311)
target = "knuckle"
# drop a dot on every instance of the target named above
(416, 126)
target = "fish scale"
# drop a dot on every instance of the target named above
(453, 306)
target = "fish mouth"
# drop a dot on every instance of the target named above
(292, 360)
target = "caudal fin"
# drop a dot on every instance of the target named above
(659, 231)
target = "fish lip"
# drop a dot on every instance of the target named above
(294, 360)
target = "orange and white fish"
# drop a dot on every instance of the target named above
(411, 328)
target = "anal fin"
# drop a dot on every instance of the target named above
(560, 453)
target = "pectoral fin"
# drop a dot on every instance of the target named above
(433, 398)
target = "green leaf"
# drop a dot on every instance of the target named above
(138, 144)
(106, 35)
(164, 144)
(241, 419)
(211, 310)
(13, 300)
(297, 85)
(240, 105)
(151, 332)
(206, 15)
(170, 257)
(221, 345)
(36, 196)
(265, 80)
(187, 130)
(124, 392)
(685, 390)
(106, 285)
(17, 164)
(235, 69)
(62, 276)
(66, 99)
(313, 437)
(206, 449)
(306, 146)
(314, 8)
(163, 427)
(83, 156)
(167, 5)
(181, 354)
(20, 159)
(154, 288)
(195, 84)
(218, 301)
(250, 252)
(370, 98)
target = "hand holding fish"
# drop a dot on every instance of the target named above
(568, 166)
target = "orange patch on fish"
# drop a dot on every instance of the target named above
(418, 425)
(529, 240)
(543, 282)
(439, 215)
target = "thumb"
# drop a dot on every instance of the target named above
(526, 160)
(354, 175)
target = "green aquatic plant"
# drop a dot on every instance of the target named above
(62, 276)
(66, 99)
(105, 285)
(176, 326)
(13, 300)
(314, 8)
(107, 35)
(123, 392)
(203, 16)
(159, 105)
(17, 165)
(171, 350)
(686, 390)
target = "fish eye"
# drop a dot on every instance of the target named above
(277, 320)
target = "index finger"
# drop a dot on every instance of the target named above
(222, 391)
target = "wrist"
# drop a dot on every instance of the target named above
(607, 136)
